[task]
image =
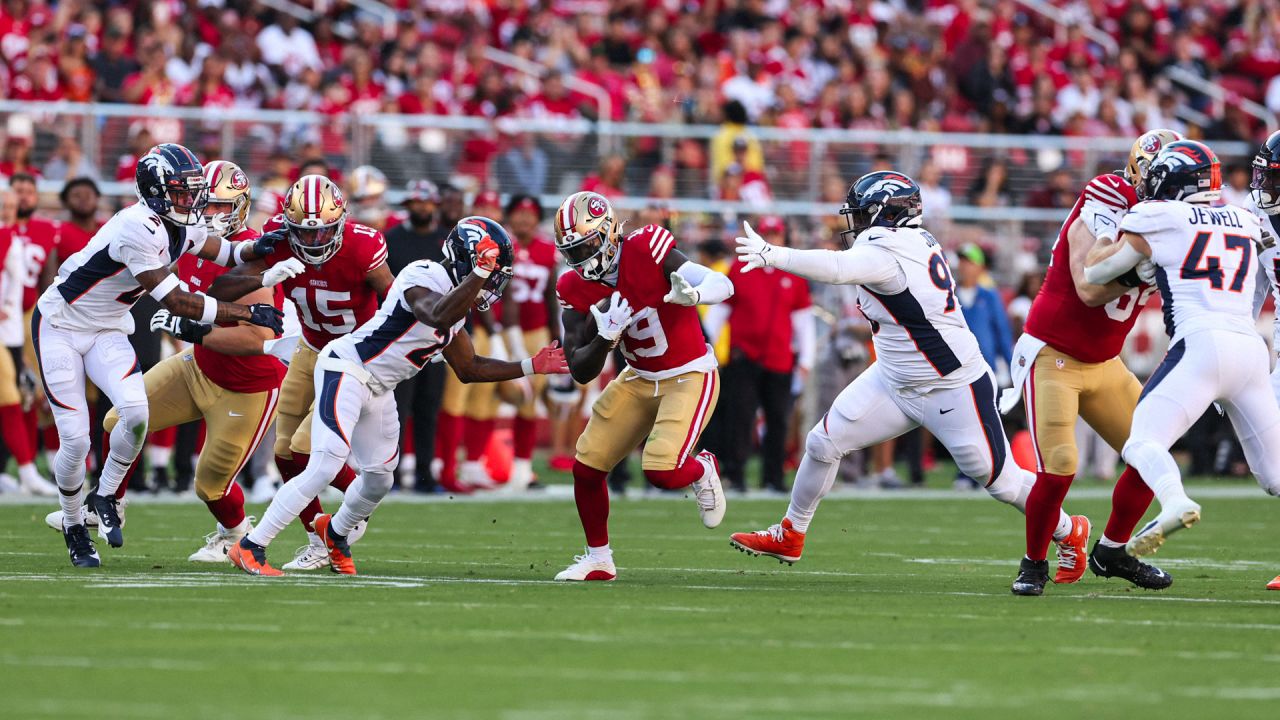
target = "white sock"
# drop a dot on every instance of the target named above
(72, 505)
(814, 479)
(1108, 542)
(239, 530)
(159, 457)
(292, 498)
(68, 472)
(361, 500)
(1064, 526)
(28, 474)
(521, 473)
(600, 554)
(408, 464)
(114, 468)
(314, 539)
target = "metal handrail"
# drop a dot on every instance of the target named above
(604, 121)
(1219, 94)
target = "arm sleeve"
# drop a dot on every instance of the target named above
(804, 337)
(1115, 265)
(715, 321)
(712, 287)
(859, 265)
(140, 250)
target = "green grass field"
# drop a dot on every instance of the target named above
(900, 609)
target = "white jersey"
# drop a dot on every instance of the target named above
(1269, 267)
(393, 346)
(920, 335)
(96, 287)
(1204, 258)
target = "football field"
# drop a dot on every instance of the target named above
(899, 609)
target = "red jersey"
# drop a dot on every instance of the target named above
(760, 320)
(663, 337)
(237, 373)
(1058, 316)
(335, 298)
(38, 237)
(534, 268)
(72, 239)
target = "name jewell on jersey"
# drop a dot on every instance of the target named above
(393, 346)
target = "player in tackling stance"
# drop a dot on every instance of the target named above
(1204, 267)
(929, 370)
(355, 409)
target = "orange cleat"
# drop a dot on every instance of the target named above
(1072, 556)
(1274, 584)
(779, 541)
(251, 558)
(339, 551)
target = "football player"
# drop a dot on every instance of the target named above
(528, 315)
(1202, 257)
(227, 379)
(422, 317)
(928, 372)
(1265, 194)
(637, 291)
(81, 325)
(346, 272)
(1067, 364)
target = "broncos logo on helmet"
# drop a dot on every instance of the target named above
(1185, 170)
(884, 199)
(170, 181)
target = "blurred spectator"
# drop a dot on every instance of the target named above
(935, 197)
(608, 182)
(1024, 295)
(69, 161)
(734, 127)
(15, 158)
(522, 169)
(992, 186)
(983, 309)
(1061, 191)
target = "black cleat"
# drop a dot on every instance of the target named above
(80, 547)
(1111, 562)
(109, 522)
(1032, 576)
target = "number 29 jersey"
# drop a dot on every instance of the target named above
(393, 346)
(333, 299)
(664, 340)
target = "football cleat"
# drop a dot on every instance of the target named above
(219, 542)
(1071, 551)
(1274, 584)
(251, 558)
(340, 560)
(777, 541)
(586, 568)
(90, 519)
(1176, 517)
(1111, 562)
(1032, 576)
(708, 492)
(473, 475)
(35, 484)
(80, 547)
(312, 556)
(109, 523)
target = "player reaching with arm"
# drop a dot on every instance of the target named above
(929, 371)
(81, 325)
(356, 376)
(1203, 264)
(638, 291)
(1067, 364)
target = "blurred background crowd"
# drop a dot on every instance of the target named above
(696, 114)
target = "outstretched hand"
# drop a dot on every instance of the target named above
(266, 243)
(682, 293)
(754, 251)
(550, 360)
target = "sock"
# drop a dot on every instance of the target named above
(476, 434)
(68, 472)
(229, 509)
(72, 504)
(344, 479)
(1158, 470)
(360, 502)
(126, 445)
(1064, 526)
(525, 431)
(448, 436)
(49, 438)
(1129, 502)
(521, 473)
(591, 495)
(689, 472)
(288, 467)
(158, 456)
(13, 430)
(600, 554)
(814, 479)
(295, 496)
(1044, 512)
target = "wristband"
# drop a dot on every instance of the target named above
(210, 310)
(237, 255)
(224, 252)
(164, 287)
(481, 272)
(526, 365)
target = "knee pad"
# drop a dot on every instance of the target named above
(1012, 485)
(378, 479)
(134, 418)
(819, 445)
(1060, 459)
(76, 446)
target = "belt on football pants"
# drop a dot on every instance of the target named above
(337, 364)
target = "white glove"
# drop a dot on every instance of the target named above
(754, 251)
(164, 321)
(282, 271)
(1147, 272)
(611, 323)
(682, 293)
(218, 225)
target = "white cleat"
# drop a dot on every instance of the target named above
(10, 486)
(219, 542)
(521, 478)
(708, 492)
(1170, 520)
(587, 568)
(33, 483)
(472, 473)
(311, 556)
(90, 520)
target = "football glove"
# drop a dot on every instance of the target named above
(1147, 272)
(754, 251)
(266, 243)
(184, 329)
(611, 323)
(550, 360)
(282, 271)
(682, 293)
(487, 253)
(267, 316)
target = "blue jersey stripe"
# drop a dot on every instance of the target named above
(97, 268)
(392, 329)
(906, 311)
(1166, 300)
(1171, 359)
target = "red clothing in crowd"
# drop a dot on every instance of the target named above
(760, 315)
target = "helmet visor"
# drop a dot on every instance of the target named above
(189, 197)
(858, 219)
(580, 249)
(314, 244)
(491, 291)
(1266, 186)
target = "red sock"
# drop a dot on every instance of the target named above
(50, 438)
(13, 429)
(683, 476)
(229, 509)
(344, 479)
(591, 494)
(526, 436)
(448, 436)
(1129, 502)
(477, 434)
(165, 438)
(288, 467)
(1044, 505)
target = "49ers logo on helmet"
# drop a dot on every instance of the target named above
(1151, 143)
(596, 207)
(239, 181)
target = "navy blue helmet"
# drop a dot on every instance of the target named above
(170, 180)
(460, 256)
(1185, 170)
(881, 199)
(1266, 175)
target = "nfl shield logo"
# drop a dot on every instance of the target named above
(1060, 363)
